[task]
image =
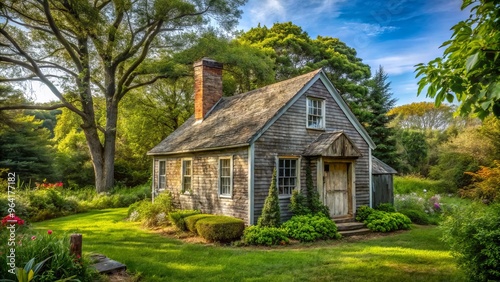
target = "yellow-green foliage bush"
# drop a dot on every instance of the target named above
(220, 228)
(191, 221)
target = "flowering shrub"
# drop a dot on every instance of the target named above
(47, 185)
(12, 219)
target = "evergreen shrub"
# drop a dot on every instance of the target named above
(417, 216)
(271, 216)
(192, 219)
(265, 236)
(385, 222)
(387, 207)
(220, 228)
(177, 218)
(308, 228)
(363, 212)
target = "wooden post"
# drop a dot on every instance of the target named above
(75, 245)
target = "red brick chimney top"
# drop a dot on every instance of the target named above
(207, 86)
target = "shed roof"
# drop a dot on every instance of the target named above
(379, 167)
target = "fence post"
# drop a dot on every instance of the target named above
(75, 245)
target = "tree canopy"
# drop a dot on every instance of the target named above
(84, 50)
(295, 52)
(469, 69)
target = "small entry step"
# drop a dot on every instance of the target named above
(106, 265)
(349, 226)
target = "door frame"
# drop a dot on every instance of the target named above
(351, 182)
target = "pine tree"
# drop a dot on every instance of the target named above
(380, 102)
(271, 216)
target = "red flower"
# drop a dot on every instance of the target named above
(12, 218)
(33, 237)
(49, 231)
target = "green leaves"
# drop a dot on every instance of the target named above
(472, 61)
(469, 67)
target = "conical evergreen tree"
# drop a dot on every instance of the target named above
(380, 102)
(271, 216)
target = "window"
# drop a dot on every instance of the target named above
(162, 172)
(187, 172)
(287, 176)
(315, 113)
(225, 177)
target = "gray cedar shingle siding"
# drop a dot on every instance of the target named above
(288, 136)
(205, 182)
(272, 121)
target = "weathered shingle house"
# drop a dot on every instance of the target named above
(221, 159)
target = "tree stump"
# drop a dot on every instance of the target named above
(75, 245)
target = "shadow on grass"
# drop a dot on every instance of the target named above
(416, 255)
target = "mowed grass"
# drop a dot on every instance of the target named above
(416, 255)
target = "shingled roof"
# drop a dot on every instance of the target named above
(379, 167)
(233, 121)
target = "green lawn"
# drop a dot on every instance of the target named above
(416, 255)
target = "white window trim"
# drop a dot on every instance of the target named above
(230, 195)
(183, 191)
(158, 176)
(297, 172)
(323, 113)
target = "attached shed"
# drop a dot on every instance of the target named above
(383, 182)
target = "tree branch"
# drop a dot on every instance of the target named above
(32, 107)
(59, 36)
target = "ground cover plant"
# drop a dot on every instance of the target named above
(415, 255)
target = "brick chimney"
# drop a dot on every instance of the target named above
(207, 86)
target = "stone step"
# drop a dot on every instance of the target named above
(349, 226)
(343, 219)
(105, 265)
(362, 231)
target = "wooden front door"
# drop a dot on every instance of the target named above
(336, 188)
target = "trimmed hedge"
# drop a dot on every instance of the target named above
(178, 218)
(191, 221)
(220, 228)
(267, 236)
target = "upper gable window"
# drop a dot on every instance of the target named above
(315, 113)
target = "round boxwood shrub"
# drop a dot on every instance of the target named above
(308, 228)
(220, 228)
(385, 222)
(177, 218)
(191, 221)
(417, 216)
(267, 236)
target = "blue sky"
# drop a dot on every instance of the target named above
(396, 34)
